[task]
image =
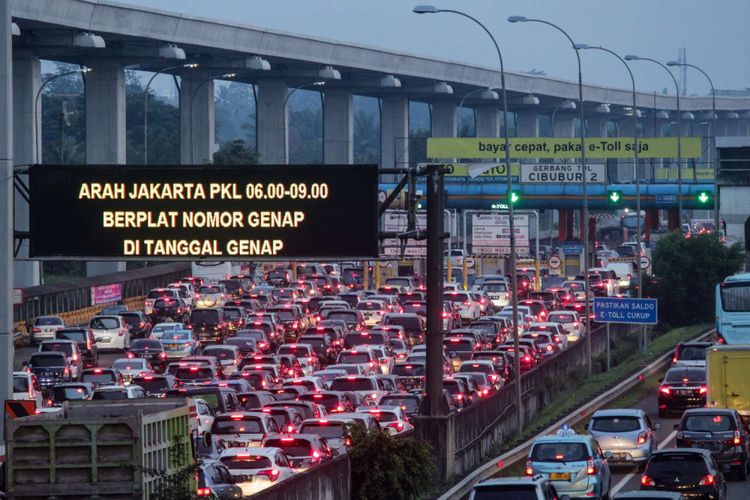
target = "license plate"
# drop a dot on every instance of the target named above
(684, 392)
(559, 476)
(173, 346)
(104, 340)
(619, 456)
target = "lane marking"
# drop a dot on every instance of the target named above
(630, 475)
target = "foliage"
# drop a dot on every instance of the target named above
(235, 113)
(236, 152)
(69, 90)
(686, 271)
(366, 138)
(179, 485)
(306, 136)
(387, 467)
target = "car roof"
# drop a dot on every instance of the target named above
(554, 438)
(622, 412)
(670, 451)
(267, 452)
(654, 495)
(512, 480)
(708, 411)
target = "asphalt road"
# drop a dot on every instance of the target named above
(628, 479)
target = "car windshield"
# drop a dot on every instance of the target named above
(358, 358)
(687, 465)
(231, 285)
(209, 290)
(406, 403)
(292, 447)
(204, 316)
(110, 395)
(104, 323)
(152, 384)
(369, 306)
(616, 424)
(74, 335)
(48, 322)
(47, 361)
(245, 425)
(486, 328)
(176, 335)
(158, 294)
(194, 373)
(129, 364)
(409, 324)
(232, 314)
(475, 367)
(562, 318)
(242, 343)
(57, 346)
(146, 344)
(220, 352)
(708, 423)
(494, 287)
(350, 316)
(505, 492)
(302, 350)
(60, 394)
(359, 384)
(458, 345)
(20, 383)
(243, 461)
(99, 378)
(687, 376)
(363, 339)
(327, 430)
(560, 451)
(735, 297)
(408, 370)
(689, 353)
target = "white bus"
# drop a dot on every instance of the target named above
(215, 270)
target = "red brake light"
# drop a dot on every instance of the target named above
(590, 467)
(665, 390)
(529, 469)
(647, 481)
(703, 389)
(203, 492)
(642, 437)
(707, 480)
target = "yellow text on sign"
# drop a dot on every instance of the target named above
(541, 147)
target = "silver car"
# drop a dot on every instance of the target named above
(628, 434)
(44, 328)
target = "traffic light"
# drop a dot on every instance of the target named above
(614, 198)
(704, 197)
(514, 197)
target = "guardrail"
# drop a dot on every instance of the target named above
(75, 295)
(520, 452)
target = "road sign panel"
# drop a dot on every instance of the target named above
(561, 173)
(665, 198)
(625, 310)
(645, 262)
(573, 249)
(554, 262)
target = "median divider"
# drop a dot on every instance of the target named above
(520, 452)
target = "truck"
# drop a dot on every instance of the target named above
(727, 383)
(97, 449)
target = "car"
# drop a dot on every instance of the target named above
(690, 471)
(158, 293)
(538, 309)
(170, 309)
(460, 391)
(69, 391)
(415, 326)
(112, 392)
(411, 375)
(305, 353)
(302, 450)
(691, 354)
(459, 349)
(322, 345)
(44, 328)
(101, 376)
(649, 495)
(247, 346)
(391, 418)
(130, 368)
(25, 388)
(331, 428)
(211, 296)
(515, 488)
(544, 341)
(235, 317)
(372, 311)
(219, 399)
(113, 310)
(50, 368)
(360, 356)
(501, 361)
(190, 374)
(287, 419)
(256, 469)
(263, 343)
(215, 481)
(468, 308)
(628, 434)
(155, 385)
(110, 333)
(334, 401)
(242, 429)
(574, 463)
(570, 322)
(178, 343)
(721, 431)
(86, 344)
(255, 400)
(229, 357)
(310, 382)
(485, 366)
(364, 386)
(158, 330)
(209, 324)
(682, 388)
(70, 348)
(138, 323)
(152, 351)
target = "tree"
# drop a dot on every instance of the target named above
(235, 152)
(384, 466)
(235, 113)
(686, 271)
(305, 136)
(366, 137)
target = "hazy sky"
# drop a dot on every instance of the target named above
(714, 32)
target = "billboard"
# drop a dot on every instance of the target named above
(490, 234)
(190, 212)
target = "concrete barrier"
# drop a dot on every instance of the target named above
(329, 481)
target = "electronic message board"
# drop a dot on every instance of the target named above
(191, 212)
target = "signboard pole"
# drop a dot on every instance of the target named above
(609, 359)
(434, 368)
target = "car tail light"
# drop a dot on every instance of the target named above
(121, 333)
(642, 437)
(529, 469)
(347, 442)
(485, 392)
(737, 437)
(272, 474)
(703, 389)
(590, 467)
(203, 492)
(66, 372)
(399, 426)
(647, 481)
(707, 480)
(36, 330)
(162, 355)
(549, 347)
(665, 390)
(527, 358)
(374, 395)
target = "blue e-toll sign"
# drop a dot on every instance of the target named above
(623, 310)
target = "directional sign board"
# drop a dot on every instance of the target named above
(624, 310)
(562, 173)
(396, 221)
(490, 234)
(572, 249)
(187, 212)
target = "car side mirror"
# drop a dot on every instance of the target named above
(657, 426)
(676, 427)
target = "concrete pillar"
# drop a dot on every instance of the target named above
(528, 123)
(394, 131)
(444, 119)
(105, 129)
(488, 121)
(625, 168)
(562, 225)
(26, 82)
(196, 119)
(338, 127)
(273, 143)
(564, 126)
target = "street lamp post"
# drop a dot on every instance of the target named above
(637, 170)
(192, 100)
(145, 105)
(435, 405)
(714, 153)
(679, 130)
(286, 100)
(37, 127)
(584, 182)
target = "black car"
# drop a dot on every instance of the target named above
(51, 368)
(138, 324)
(170, 309)
(215, 481)
(209, 325)
(247, 345)
(689, 471)
(86, 344)
(720, 431)
(682, 388)
(71, 391)
(151, 350)
(155, 385)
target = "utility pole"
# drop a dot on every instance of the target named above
(434, 368)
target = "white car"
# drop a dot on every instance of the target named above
(497, 291)
(243, 428)
(386, 361)
(391, 418)
(553, 328)
(333, 428)
(365, 386)
(256, 469)
(229, 357)
(373, 311)
(185, 291)
(110, 332)
(158, 330)
(201, 416)
(390, 301)
(570, 322)
(130, 368)
(211, 296)
(44, 328)
(468, 308)
(71, 350)
(24, 387)
(110, 392)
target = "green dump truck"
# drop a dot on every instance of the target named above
(97, 449)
